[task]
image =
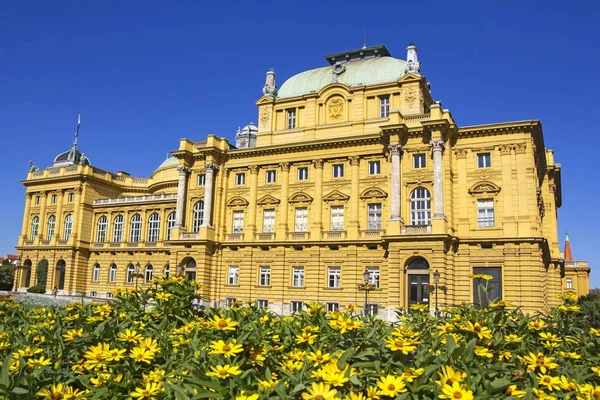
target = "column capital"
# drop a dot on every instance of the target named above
(395, 149)
(211, 167)
(437, 145)
(183, 171)
(318, 163)
(354, 160)
(285, 166)
(253, 169)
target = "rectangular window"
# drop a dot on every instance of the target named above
(569, 283)
(238, 222)
(93, 293)
(301, 219)
(484, 160)
(334, 277)
(485, 212)
(332, 307)
(419, 161)
(303, 174)
(201, 179)
(337, 218)
(372, 309)
(262, 303)
(338, 170)
(480, 297)
(109, 295)
(298, 276)
(374, 168)
(374, 216)
(112, 274)
(296, 306)
(229, 301)
(70, 197)
(271, 176)
(268, 221)
(233, 275)
(240, 179)
(264, 277)
(373, 276)
(96, 274)
(37, 200)
(384, 106)
(53, 199)
(291, 119)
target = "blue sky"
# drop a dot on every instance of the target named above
(144, 74)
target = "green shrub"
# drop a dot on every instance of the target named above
(37, 289)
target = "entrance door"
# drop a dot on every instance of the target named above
(59, 280)
(417, 293)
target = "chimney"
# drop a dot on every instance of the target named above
(568, 252)
(270, 89)
(412, 60)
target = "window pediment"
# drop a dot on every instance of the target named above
(268, 200)
(373, 193)
(336, 195)
(485, 187)
(237, 202)
(300, 198)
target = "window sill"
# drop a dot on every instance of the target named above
(230, 285)
(297, 287)
(333, 288)
(263, 287)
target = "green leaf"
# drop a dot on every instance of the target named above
(344, 358)
(20, 390)
(4, 378)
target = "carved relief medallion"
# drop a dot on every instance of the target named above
(265, 115)
(336, 108)
(411, 96)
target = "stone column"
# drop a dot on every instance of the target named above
(76, 211)
(181, 194)
(354, 198)
(251, 217)
(285, 194)
(395, 152)
(59, 206)
(208, 194)
(437, 147)
(318, 201)
(26, 216)
(42, 225)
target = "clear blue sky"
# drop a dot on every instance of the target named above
(144, 74)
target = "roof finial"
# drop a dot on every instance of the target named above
(568, 254)
(364, 39)
(270, 88)
(412, 60)
(77, 130)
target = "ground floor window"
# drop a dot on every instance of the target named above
(416, 288)
(333, 307)
(372, 309)
(296, 306)
(262, 303)
(481, 297)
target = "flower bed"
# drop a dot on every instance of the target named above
(123, 350)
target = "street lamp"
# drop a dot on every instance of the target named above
(366, 279)
(436, 279)
(137, 274)
(179, 269)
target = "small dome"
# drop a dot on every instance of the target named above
(250, 128)
(170, 162)
(71, 157)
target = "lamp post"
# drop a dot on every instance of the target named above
(16, 269)
(179, 269)
(137, 274)
(436, 279)
(366, 279)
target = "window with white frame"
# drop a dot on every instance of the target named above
(484, 160)
(198, 216)
(96, 273)
(271, 176)
(338, 170)
(37, 200)
(569, 283)
(53, 199)
(337, 218)
(109, 295)
(201, 179)
(420, 207)
(240, 179)
(419, 161)
(485, 212)
(35, 224)
(262, 303)
(170, 224)
(70, 197)
(384, 106)
(230, 301)
(373, 278)
(153, 227)
(297, 276)
(372, 309)
(302, 173)
(334, 277)
(51, 225)
(301, 222)
(130, 273)
(166, 272)
(238, 222)
(135, 232)
(374, 167)
(234, 272)
(112, 273)
(148, 274)
(68, 227)
(93, 293)
(269, 221)
(291, 119)
(118, 229)
(374, 216)
(101, 229)
(296, 306)
(332, 307)
(264, 276)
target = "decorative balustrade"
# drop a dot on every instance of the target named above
(235, 237)
(54, 171)
(334, 235)
(115, 244)
(188, 235)
(150, 244)
(71, 168)
(265, 236)
(99, 244)
(415, 229)
(416, 118)
(372, 233)
(136, 199)
(140, 180)
(132, 244)
(298, 235)
(45, 242)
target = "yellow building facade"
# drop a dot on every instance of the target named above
(352, 170)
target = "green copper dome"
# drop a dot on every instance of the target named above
(168, 163)
(364, 72)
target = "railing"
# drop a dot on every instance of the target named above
(372, 233)
(417, 118)
(38, 173)
(298, 235)
(119, 178)
(54, 171)
(188, 235)
(265, 236)
(135, 199)
(416, 229)
(235, 236)
(485, 222)
(71, 168)
(334, 235)
(140, 180)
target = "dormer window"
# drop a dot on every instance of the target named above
(291, 118)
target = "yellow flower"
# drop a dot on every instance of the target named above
(572, 355)
(244, 396)
(592, 392)
(505, 355)
(595, 332)
(149, 344)
(38, 363)
(411, 374)
(537, 325)
(449, 375)
(319, 391)
(163, 296)
(156, 375)
(568, 384)
(568, 296)
(596, 370)
(94, 356)
(29, 352)
(306, 338)
(224, 371)
(113, 354)
(129, 336)
(569, 308)
(56, 392)
(481, 331)
(538, 360)
(512, 338)
(500, 304)
(147, 392)
(227, 349)
(391, 385)
(456, 391)
(397, 344)
(223, 324)
(141, 355)
(355, 396)
(318, 357)
(551, 382)
(72, 334)
(481, 276)
(551, 345)
(419, 307)
(549, 336)
(512, 391)
(483, 352)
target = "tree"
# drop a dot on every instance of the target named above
(6, 275)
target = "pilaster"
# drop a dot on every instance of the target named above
(439, 221)
(395, 222)
(211, 169)
(354, 225)
(317, 224)
(281, 228)
(250, 229)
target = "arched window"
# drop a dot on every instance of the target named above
(101, 230)
(112, 274)
(148, 275)
(190, 269)
(170, 224)
(166, 271)
(51, 225)
(420, 207)
(198, 216)
(136, 228)
(68, 226)
(35, 223)
(153, 227)
(118, 229)
(96, 273)
(418, 263)
(130, 273)
(26, 277)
